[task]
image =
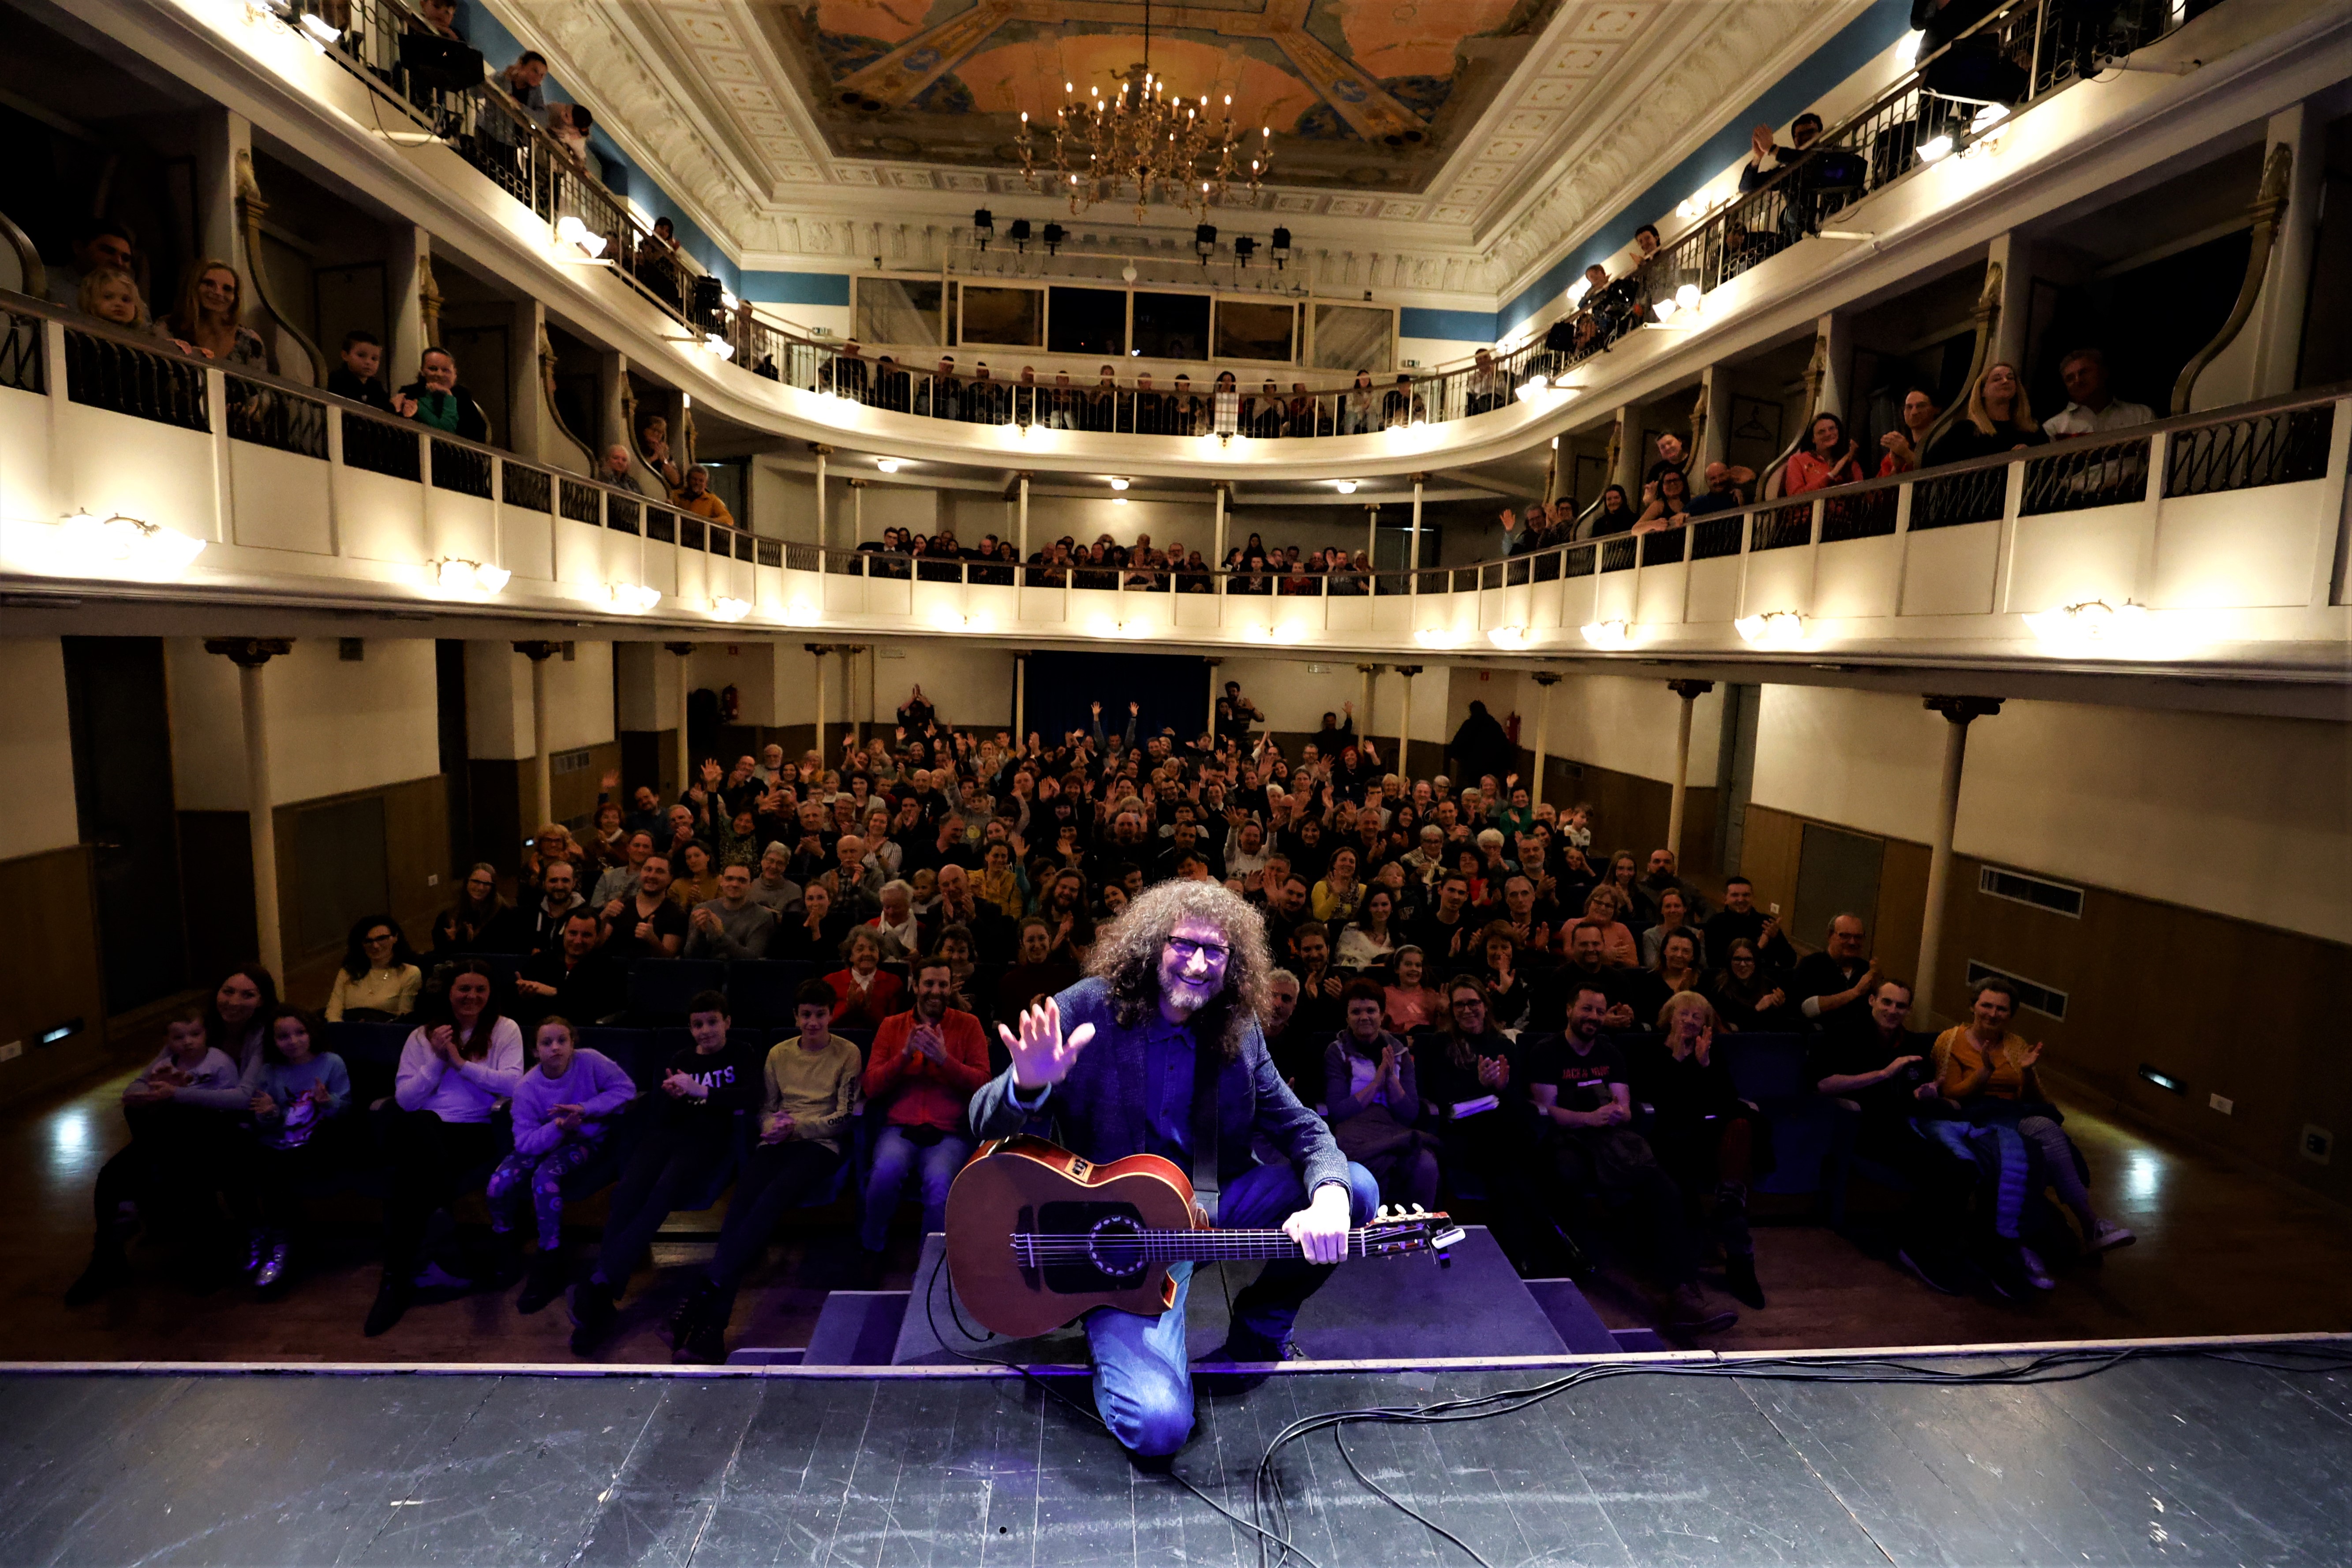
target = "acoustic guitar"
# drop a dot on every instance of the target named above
(1037, 1236)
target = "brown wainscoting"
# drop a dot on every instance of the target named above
(48, 929)
(216, 890)
(1629, 811)
(2222, 1005)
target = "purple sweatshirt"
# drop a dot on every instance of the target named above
(595, 1083)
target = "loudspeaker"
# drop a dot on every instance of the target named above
(435, 61)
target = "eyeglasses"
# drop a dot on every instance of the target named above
(1185, 951)
(377, 939)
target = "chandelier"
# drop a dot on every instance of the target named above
(1162, 148)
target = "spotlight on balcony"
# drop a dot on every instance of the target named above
(470, 576)
(1934, 149)
(888, 464)
(1019, 235)
(983, 224)
(2093, 620)
(1243, 248)
(1608, 634)
(1776, 629)
(1509, 637)
(128, 543)
(1577, 291)
(1345, 487)
(571, 231)
(727, 608)
(1118, 484)
(1204, 241)
(718, 345)
(1532, 388)
(320, 30)
(633, 598)
(1055, 235)
(1687, 296)
(1280, 249)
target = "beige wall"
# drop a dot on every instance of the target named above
(499, 723)
(335, 725)
(1622, 723)
(644, 679)
(36, 749)
(2243, 817)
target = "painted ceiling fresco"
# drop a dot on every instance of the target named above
(1365, 93)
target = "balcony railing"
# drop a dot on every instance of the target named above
(378, 517)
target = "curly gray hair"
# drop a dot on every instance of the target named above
(1126, 951)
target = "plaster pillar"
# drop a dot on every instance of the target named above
(2279, 310)
(406, 252)
(543, 785)
(1544, 683)
(1405, 672)
(2013, 252)
(1957, 712)
(249, 654)
(1690, 691)
(684, 652)
(823, 532)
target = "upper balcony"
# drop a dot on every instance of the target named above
(1926, 174)
(2215, 545)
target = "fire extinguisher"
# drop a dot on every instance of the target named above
(1510, 728)
(729, 705)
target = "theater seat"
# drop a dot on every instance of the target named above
(759, 991)
(1768, 1071)
(660, 988)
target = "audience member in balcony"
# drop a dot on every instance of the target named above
(1360, 408)
(1726, 488)
(986, 401)
(480, 921)
(1485, 388)
(657, 268)
(1999, 419)
(1705, 1135)
(1372, 1099)
(101, 243)
(1974, 67)
(810, 1095)
(359, 375)
(563, 1108)
(1748, 998)
(1579, 1081)
(1767, 160)
(569, 124)
(525, 82)
(210, 321)
(1986, 1068)
(440, 18)
(1672, 456)
(2092, 408)
(695, 497)
(924, 1068)
(1902, 444)
(1670, 509)
(454, 1069)
(1832, 457)
(1616, 514)
(379, 978)
(111, 295)
(180, 1111)
(441, 401)
(653, 447)
(1832, 987)
(646, 923)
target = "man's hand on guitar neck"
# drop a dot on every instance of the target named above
(1041, 1056)
(1321, 1227)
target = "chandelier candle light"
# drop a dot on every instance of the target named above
(1162, 147)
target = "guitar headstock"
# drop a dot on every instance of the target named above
(1409, 1227)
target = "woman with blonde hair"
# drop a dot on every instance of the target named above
(2000, 419)
(1706, 1136)
(210, 319)
(1602, 908)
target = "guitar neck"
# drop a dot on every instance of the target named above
(1219, 1245)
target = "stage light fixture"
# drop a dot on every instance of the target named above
(1204, 241)
(983, 223)
(1055, 235)
(1243, 248)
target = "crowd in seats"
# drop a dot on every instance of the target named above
(1589, 1048)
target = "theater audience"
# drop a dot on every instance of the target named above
(1902, 445)
(706, 1085)
(358, 375)
(111, 295)
(1372, 1098)
(302, 1088)
(1703, 1133)
(1508, 993)
(101, 245)
(695, 497)
(210, 319)
(1740, 917)
(480, 921)
(815, 932)
(1614, 515)
(2091, 409)
(646, 923)
(438, 400)
(1831, 987)
(558, 897)
(1830, 457)
(926, 1064)
(1672, 911)
(379, 977)
(730, 926)
(1747, 997)
(863, 992)
(811, 1095)
(571, 977)
(1370, 937)
(1408, 1001)
(438, 1134)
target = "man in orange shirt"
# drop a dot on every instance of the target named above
(927, 1063)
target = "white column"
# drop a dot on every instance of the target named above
(406, 250)
(1021, 687)
(823, 534)
(1715, 445)
(1690, 691)
(1372, 533)
(1366, 674)
(1021, 543)
(525, 433)
(612, 413)
(1405, 672)
(684, 651)
(2279, 310)
(1544, 683)
(249, 654)
(1212, 725)
(1957, 712)
(2013, 252)
(1218, 561)
(819, 651)
(856, 512)
(1630, 455)
(1413, 547)
(1836, 330)
(542, 782)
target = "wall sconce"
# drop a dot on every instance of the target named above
(2091, 621)
(1433, 636)
(1773, 630)
(1510, 638)
(129, 541)
(718, 345)
(569, 230)
(1608, 634)
(461, 576)
(633, 598)
(888, 464)
(727, 609)
(1345, 487)
(1118, 484)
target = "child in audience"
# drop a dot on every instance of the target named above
(564, 1109)
(1409, 1002)
(706, 1087)
(301, 1089)
(111, 295)
(181, 1111)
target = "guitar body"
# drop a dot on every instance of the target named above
(1029, 1185)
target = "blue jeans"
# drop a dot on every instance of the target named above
(1143, 1380)
(896, 1156)
(1999, 1154)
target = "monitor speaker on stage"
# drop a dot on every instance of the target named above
(444, 63)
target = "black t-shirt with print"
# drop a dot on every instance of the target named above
(733, 1075)
(1583, 1079)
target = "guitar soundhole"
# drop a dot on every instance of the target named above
(1091, 1246)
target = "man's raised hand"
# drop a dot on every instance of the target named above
(1040, 1054)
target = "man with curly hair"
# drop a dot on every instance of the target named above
(1160, 1051)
